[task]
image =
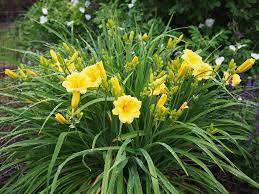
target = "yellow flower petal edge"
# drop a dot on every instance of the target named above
(127, 108)
(191, 58)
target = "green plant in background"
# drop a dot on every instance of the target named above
(122, 115)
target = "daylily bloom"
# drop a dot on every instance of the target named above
(232, 80)
(77, 84)
(94, 75)
(61, 119)
(191, 58)
(202, 71)
(127, 108)
(11, 74)
(245, 66)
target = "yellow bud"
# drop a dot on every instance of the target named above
(125, 37)
(101, 69)
(131, 36)
(159, 81)
(66, 47)
(61, 119)
(116, 88)
(75, 100)
(30, 72)
(135, 60)
(145, 37)
(28, 101)
(161, 102)
(182, 71)
(110, 24)
(44, 61)
(170, 43)
(179, 39)
(246, 66)
(11, 74)
(74, 57)
(54, 56)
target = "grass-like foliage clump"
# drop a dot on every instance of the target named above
(126, 113)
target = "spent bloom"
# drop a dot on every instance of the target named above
(127, 108)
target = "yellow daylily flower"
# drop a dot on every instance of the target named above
(94, 75)
(61, 119)
(233, 80)
(116, 88)
(145, 37)
(202, 71)
(127, 108)
(11, 74)
(77, 84)
(191, 58)
(246, 65)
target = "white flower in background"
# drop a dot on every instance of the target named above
(219, 60)
(74, 2)
(132, 52)
(44, 11)
(209, 22)
(240, 98)
(255, 55)
(130, 5)
(239, 46)
(69, 23)
(201, 25)
(177, 53)
(87, 3)
(232, 47)
(43, 19)
(82, 9)
(88, 17)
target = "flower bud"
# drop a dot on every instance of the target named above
(11, 74)
(75, 100)
(135, 60)
(161, 102)
(246, 66)
(54, 56)
(116, 88)
(61, 119)
(145, 37)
